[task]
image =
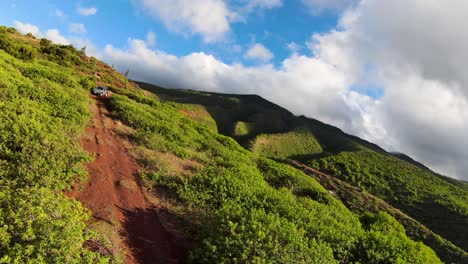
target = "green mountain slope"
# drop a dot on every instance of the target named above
(237, 206)
(243, 208)
(42, 113)
(435, 201)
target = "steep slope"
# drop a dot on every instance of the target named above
(435, 201)
(359, 201)
(43, 112)
(169, 175)
(244, 208)
(45, 108)
(114, 194)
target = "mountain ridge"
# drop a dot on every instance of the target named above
(316, 127)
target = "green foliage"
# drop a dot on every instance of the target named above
(421, 194)
(87, 82)
(18, 50)
(40, 226)
(290, 144)
(199, 114)
(385, 242)
(227, 109)
(38, 123)
(65, 55)
(241, 207)
(258, 237)
(43, 109)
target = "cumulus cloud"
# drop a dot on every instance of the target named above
(315, 86)
(51, 34)
(25, 28)
(209, 18)
(259, 52)
(55, 36)
(77, 28)
(87, 11)
(418, 49)
(413, 51)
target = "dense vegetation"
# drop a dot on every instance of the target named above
(42, 111)
(440, 204)
(418, 192)
(246, 209)
(239, 206)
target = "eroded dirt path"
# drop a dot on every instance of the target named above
(114, 194)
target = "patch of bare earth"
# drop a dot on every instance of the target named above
(114, 195)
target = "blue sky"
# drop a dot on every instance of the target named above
(392, 72)
(116, 21)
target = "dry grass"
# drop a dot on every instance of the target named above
(164, 163)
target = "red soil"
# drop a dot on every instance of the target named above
(114, 194)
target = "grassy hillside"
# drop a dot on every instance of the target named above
(43, 110)
(440, 205)
(236, 205)
(44, 103)
(232, 113)
(435, 201)
(286, 145)
(242, 208)
(360, 202)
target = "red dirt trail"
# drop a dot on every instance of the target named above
(113, 193)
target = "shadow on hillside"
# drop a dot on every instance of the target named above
(148, 239)
(228, 109)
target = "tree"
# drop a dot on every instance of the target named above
(83, 51)
(126, 77)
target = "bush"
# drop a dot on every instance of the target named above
(40, 226)
(385, 242)
(246, 209)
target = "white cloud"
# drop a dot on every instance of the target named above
(25, 28)
(305, 79)
(259, 52)
(151, 39)
(208, 18)
(77, 28)
(413, 50)
(418, 53)
(418, 63)
(51, 34)
(55, 36)
(87, 11)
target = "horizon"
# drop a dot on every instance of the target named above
(391, 73)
